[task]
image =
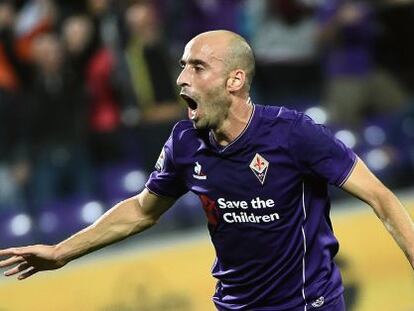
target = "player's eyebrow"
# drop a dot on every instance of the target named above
(194, 62)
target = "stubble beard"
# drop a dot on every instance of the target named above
(215, 110)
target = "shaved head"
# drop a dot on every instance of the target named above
(237, 52)
(217, 70)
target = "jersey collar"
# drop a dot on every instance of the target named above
(236, 141)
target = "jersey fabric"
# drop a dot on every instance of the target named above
(266, 200)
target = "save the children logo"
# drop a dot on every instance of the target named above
(256, 210)
(241, 211)
(259, 166)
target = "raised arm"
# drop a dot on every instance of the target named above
(127, 218)
(365, 186)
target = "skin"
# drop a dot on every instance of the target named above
(221, 90)
(219, 87)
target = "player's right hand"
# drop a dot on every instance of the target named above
(28, 260)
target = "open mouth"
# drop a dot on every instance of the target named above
(192, 104)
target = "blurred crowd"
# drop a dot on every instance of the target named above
(87, 87)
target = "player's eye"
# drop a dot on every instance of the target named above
(198, 68)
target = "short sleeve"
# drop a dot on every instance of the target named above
(165, 180)
(317, 152)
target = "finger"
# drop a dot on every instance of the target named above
(25, 251)
(21, 267)
(8, 251)
(19, 251)
(29, 272)
(11, 261)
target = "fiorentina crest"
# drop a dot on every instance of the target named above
(259, 166)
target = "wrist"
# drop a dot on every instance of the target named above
(60, 254)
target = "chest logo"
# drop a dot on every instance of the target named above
(259, 166)
(198, 173)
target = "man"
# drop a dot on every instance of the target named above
(261, 173)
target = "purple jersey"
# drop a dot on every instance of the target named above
(266, 200)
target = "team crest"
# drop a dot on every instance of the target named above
(159, 166)
(259, 166)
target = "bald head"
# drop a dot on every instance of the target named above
(237, 53)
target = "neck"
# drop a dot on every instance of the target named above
(236, 121)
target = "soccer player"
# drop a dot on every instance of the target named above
(261, 174)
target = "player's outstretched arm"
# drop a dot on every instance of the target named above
(123, 220)
(365, 186)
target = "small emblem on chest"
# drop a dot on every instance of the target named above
(259, 166)
(198, 173)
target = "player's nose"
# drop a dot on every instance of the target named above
(183, 79)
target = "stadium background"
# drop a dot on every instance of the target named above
(87, 98)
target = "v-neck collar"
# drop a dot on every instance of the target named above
(222, 149)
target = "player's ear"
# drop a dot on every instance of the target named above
(236, 80)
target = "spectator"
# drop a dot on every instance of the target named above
(57, 127)
(34, 18)
(148, 66)
(14, 168)
(105, 106)
(77, 32)
(148, 82)
(355, 86)
(283, 37)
